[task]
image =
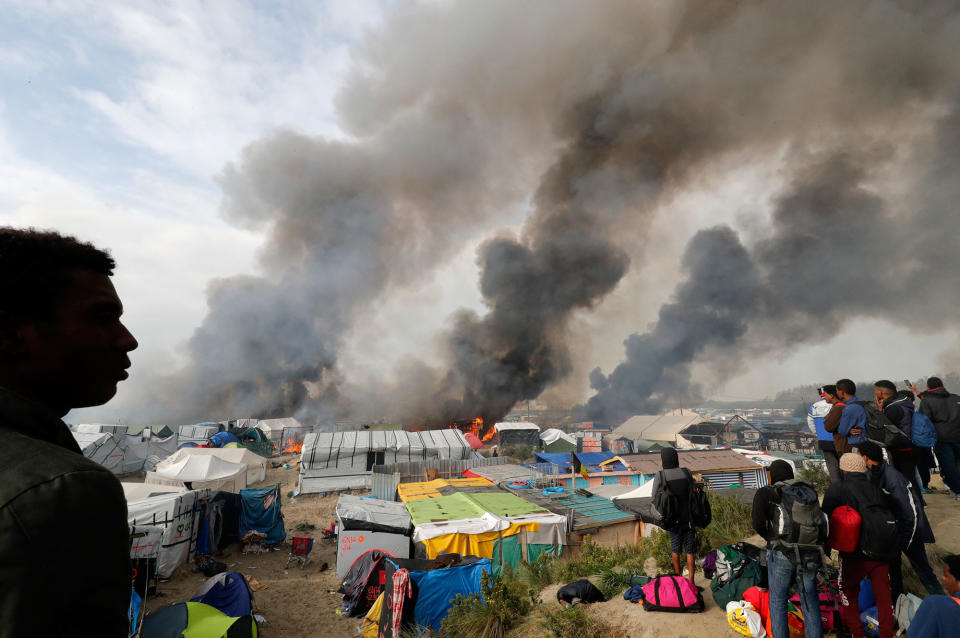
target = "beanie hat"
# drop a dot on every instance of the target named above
(851, 462)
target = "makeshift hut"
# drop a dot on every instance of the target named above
(103, 448)
(198, 434)
(587, 513)
(367, 524)
(719, 468)
(333, 461)
(554, 440)
(497, 525)
(654, 427)
(260, 512)
(255, 464)
(513, 433)
(286, 434)
(195, 471)
(504, 475)
(178, 513)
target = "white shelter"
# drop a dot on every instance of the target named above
(197, 471)
(256, 465)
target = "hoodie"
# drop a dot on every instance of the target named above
(767, 498)
(679, 481)
(943, 408)
(912, 523)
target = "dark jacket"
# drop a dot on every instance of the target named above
(679, 482)
(912, 522)
(65, 550)
(831, 423)
(767, 498)
(899, 409)
(943, 409)
(853, 490)
(936, 617)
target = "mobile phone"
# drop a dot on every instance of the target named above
(908, 382)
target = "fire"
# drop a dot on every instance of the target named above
(291, 446)
(474, 426)
(490, 433)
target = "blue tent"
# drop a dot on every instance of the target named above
(562, 460)
(437, 587)
(228, 592)
(220, 439)
(260, 511)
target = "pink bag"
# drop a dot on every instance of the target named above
(672, 593)
(829, 614)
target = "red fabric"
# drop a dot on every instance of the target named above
(401, 591)
(828, 616)
(852, 571)
(760, 599)
(844, 529)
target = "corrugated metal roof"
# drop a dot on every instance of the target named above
(694, 460)
(588, 511)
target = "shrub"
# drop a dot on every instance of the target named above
(816, 476)
(612, 583)
(520, 453)
(539, 573)
(732, 522)
(660, 550)
(503, 602)
(578, 622)
(595, 559)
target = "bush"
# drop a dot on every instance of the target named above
(539, 573)
(521, 453)
(732, 522)
(612, 583)
(578, 622)
(595, 559)
(660, 550)
(505, 600)
(816, 476)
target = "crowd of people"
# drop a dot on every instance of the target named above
(872, 513)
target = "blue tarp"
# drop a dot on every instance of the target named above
(594, 459)
(557, 458)
(134, 614)
(227, 592)
(260, 511)
(220, 439)
(437, 587)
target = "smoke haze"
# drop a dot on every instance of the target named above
(589, 120)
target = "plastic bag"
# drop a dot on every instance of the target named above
(745, 620)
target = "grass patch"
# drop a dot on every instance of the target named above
(505, 601)
(578, 622)
(520, 453)
(595, 559)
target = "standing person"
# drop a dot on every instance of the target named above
(912, 524)
(943, 408)
(857, 492)
(782, 571)
(679, 481)
(844, 429)
(816, 418)
(939, 616)
(898, 408)
(63, 518)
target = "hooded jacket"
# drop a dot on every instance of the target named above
(63, 525)
(912, 523)
(899, 409)
(767, 498)
(815, 416)
(855, 490)
(943, 408)
(679, 481)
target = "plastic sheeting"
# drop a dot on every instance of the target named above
(551, 435)
(438, 587)
(375, 515)
(228, 592)
(103, 448)
(256, 465)
(260, 511)
(137, 491)
(201, 472)
(178, 514)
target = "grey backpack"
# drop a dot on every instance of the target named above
(800, 526)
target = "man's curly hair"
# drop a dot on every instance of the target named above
(35, 268)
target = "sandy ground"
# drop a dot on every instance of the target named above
(296, 602)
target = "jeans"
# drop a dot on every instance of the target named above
(948, 454)
(832, 462)
(781, 574)
(917, 555)
(852, 571)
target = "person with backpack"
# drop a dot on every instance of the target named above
(939, 616)
(671, 489)
(912, 524)
(787, 514)
(943, 408)
(898, 409)
(815, 421)
(876, 541)
(847, 419)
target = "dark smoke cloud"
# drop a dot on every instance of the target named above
(459, 111)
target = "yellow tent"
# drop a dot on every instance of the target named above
(371, 622)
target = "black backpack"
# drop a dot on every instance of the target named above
(879, 538)
(665, 508)
(799, 525)
(700, 513)
(879, 428)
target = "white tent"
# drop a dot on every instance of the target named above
(137, 491)
(196, 433)
(97, 428)
(201, 471)
(256, 465)
(104, 448)
(140, 447)
(333, 461)
(179, 516)
(552, 435)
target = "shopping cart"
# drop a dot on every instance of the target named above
(300, 547)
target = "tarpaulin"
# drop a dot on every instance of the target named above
(472, 544)
(260, 511)
(438, 587)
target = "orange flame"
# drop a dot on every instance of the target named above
(291, 446)
(490, 433)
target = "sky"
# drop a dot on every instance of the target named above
(116, 120)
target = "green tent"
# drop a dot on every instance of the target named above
(560, 445)
(196, 620)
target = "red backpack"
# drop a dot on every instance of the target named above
(845, 525)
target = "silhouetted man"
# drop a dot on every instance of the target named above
(64, 546)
